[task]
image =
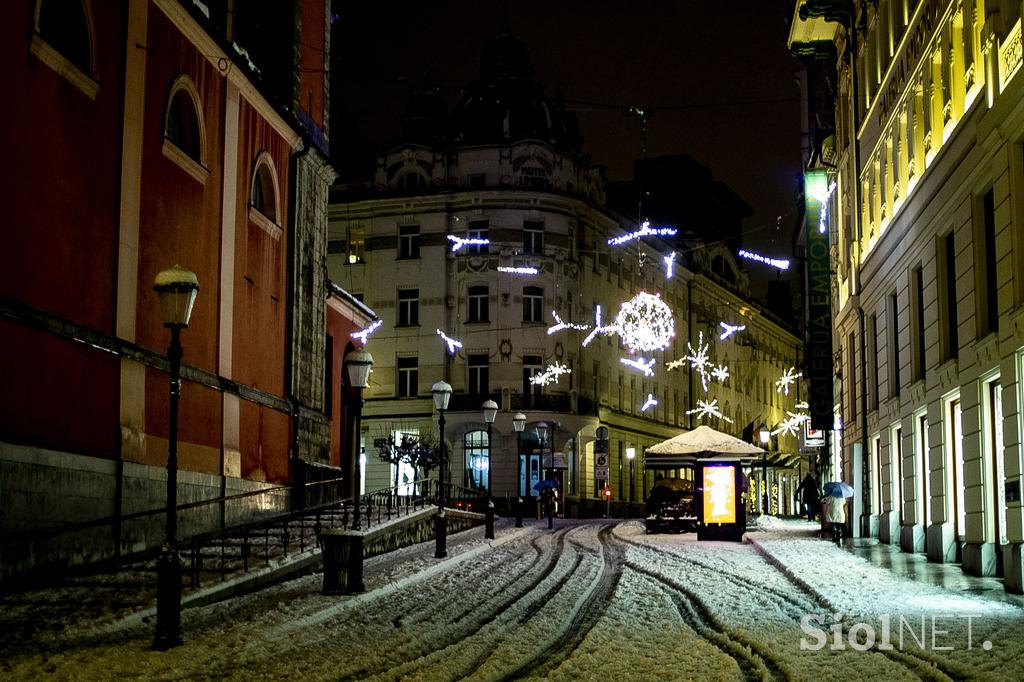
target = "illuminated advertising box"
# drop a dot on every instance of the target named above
(719, 494)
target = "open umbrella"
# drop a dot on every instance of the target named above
(838, 489)
(547, 483)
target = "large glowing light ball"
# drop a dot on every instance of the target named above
(645, 323)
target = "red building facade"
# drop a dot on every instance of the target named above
(146, 134)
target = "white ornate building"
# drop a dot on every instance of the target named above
(927, 237)
(505, 167)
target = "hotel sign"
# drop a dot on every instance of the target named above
(818, 341)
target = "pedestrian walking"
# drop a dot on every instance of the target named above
(835, 514)
(810, 495)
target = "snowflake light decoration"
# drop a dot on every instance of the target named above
(676, 363)
(551, 373)
(721, 372)
(644, 231)
(598, 327)
(729, 330)
(708, 409)
(452, 343)
(698, 360)
(640, 364)
(651, 402)
(802, 405)
(791, 426)
(787, 378)
(645, 323)
(361, 335)
(459, 242)
(565, 325)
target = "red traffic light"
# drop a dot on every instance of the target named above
(608, 492)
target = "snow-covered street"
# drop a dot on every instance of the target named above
(587, 600)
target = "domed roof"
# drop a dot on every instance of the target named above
(505, 104)
(425, 117)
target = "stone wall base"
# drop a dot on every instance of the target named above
(912, 538)
(940, 543)
(979, 558)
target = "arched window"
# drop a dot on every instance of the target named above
(263, 193)
(411, 182)
(478, 459)
(184, 133)
(63, 40)
(65, 26)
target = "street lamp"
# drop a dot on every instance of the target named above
(177, 289)
(765, 435)
(519, 423)
(631, 455)
(490, 412)
(442, 392)
(360, 364)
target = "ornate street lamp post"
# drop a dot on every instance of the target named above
(490, 412)
(765, 435)
(177, 288)
(442, 393)
(519, 423)
(360, 364)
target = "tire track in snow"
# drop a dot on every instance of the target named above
(465, 627)
(926, 668)
(590, 611)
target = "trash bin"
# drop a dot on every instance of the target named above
(343, 561)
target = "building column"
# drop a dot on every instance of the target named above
(231, 455)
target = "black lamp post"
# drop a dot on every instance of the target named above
(490, 412)
(519, 423)
(360, 364)
(177, 288)
(442, 393)
(631, 455)
(765, 436)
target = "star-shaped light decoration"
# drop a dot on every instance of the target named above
(651, 402)
(452, 343)
(550, 374)
(565, 325)
(721, 372)
(708, 409)
(787, 378)
(640, 364)
(362, 334)
(730, 329)
(698, 359)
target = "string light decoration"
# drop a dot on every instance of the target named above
(645, 323)
(565, 325)
(645, 231)
(361, 335)
(552, 373)
(598, 327)
(651, 402)
(708, 409)
(781, 264)
(787, 378)
(452, 343)
(670, 263)
(524, 270)
(823, 219)
(459, 242)
(802, 405)
(729, 329)
(674, 364)
(644, 366)
(721, 372)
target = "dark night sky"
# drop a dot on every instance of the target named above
(716, 79)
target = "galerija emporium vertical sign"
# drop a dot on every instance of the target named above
(817, 191)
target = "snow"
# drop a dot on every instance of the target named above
(588, 600)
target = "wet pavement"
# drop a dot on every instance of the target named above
(917, 567)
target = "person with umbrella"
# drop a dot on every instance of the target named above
(548, 489)
(836, 493)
